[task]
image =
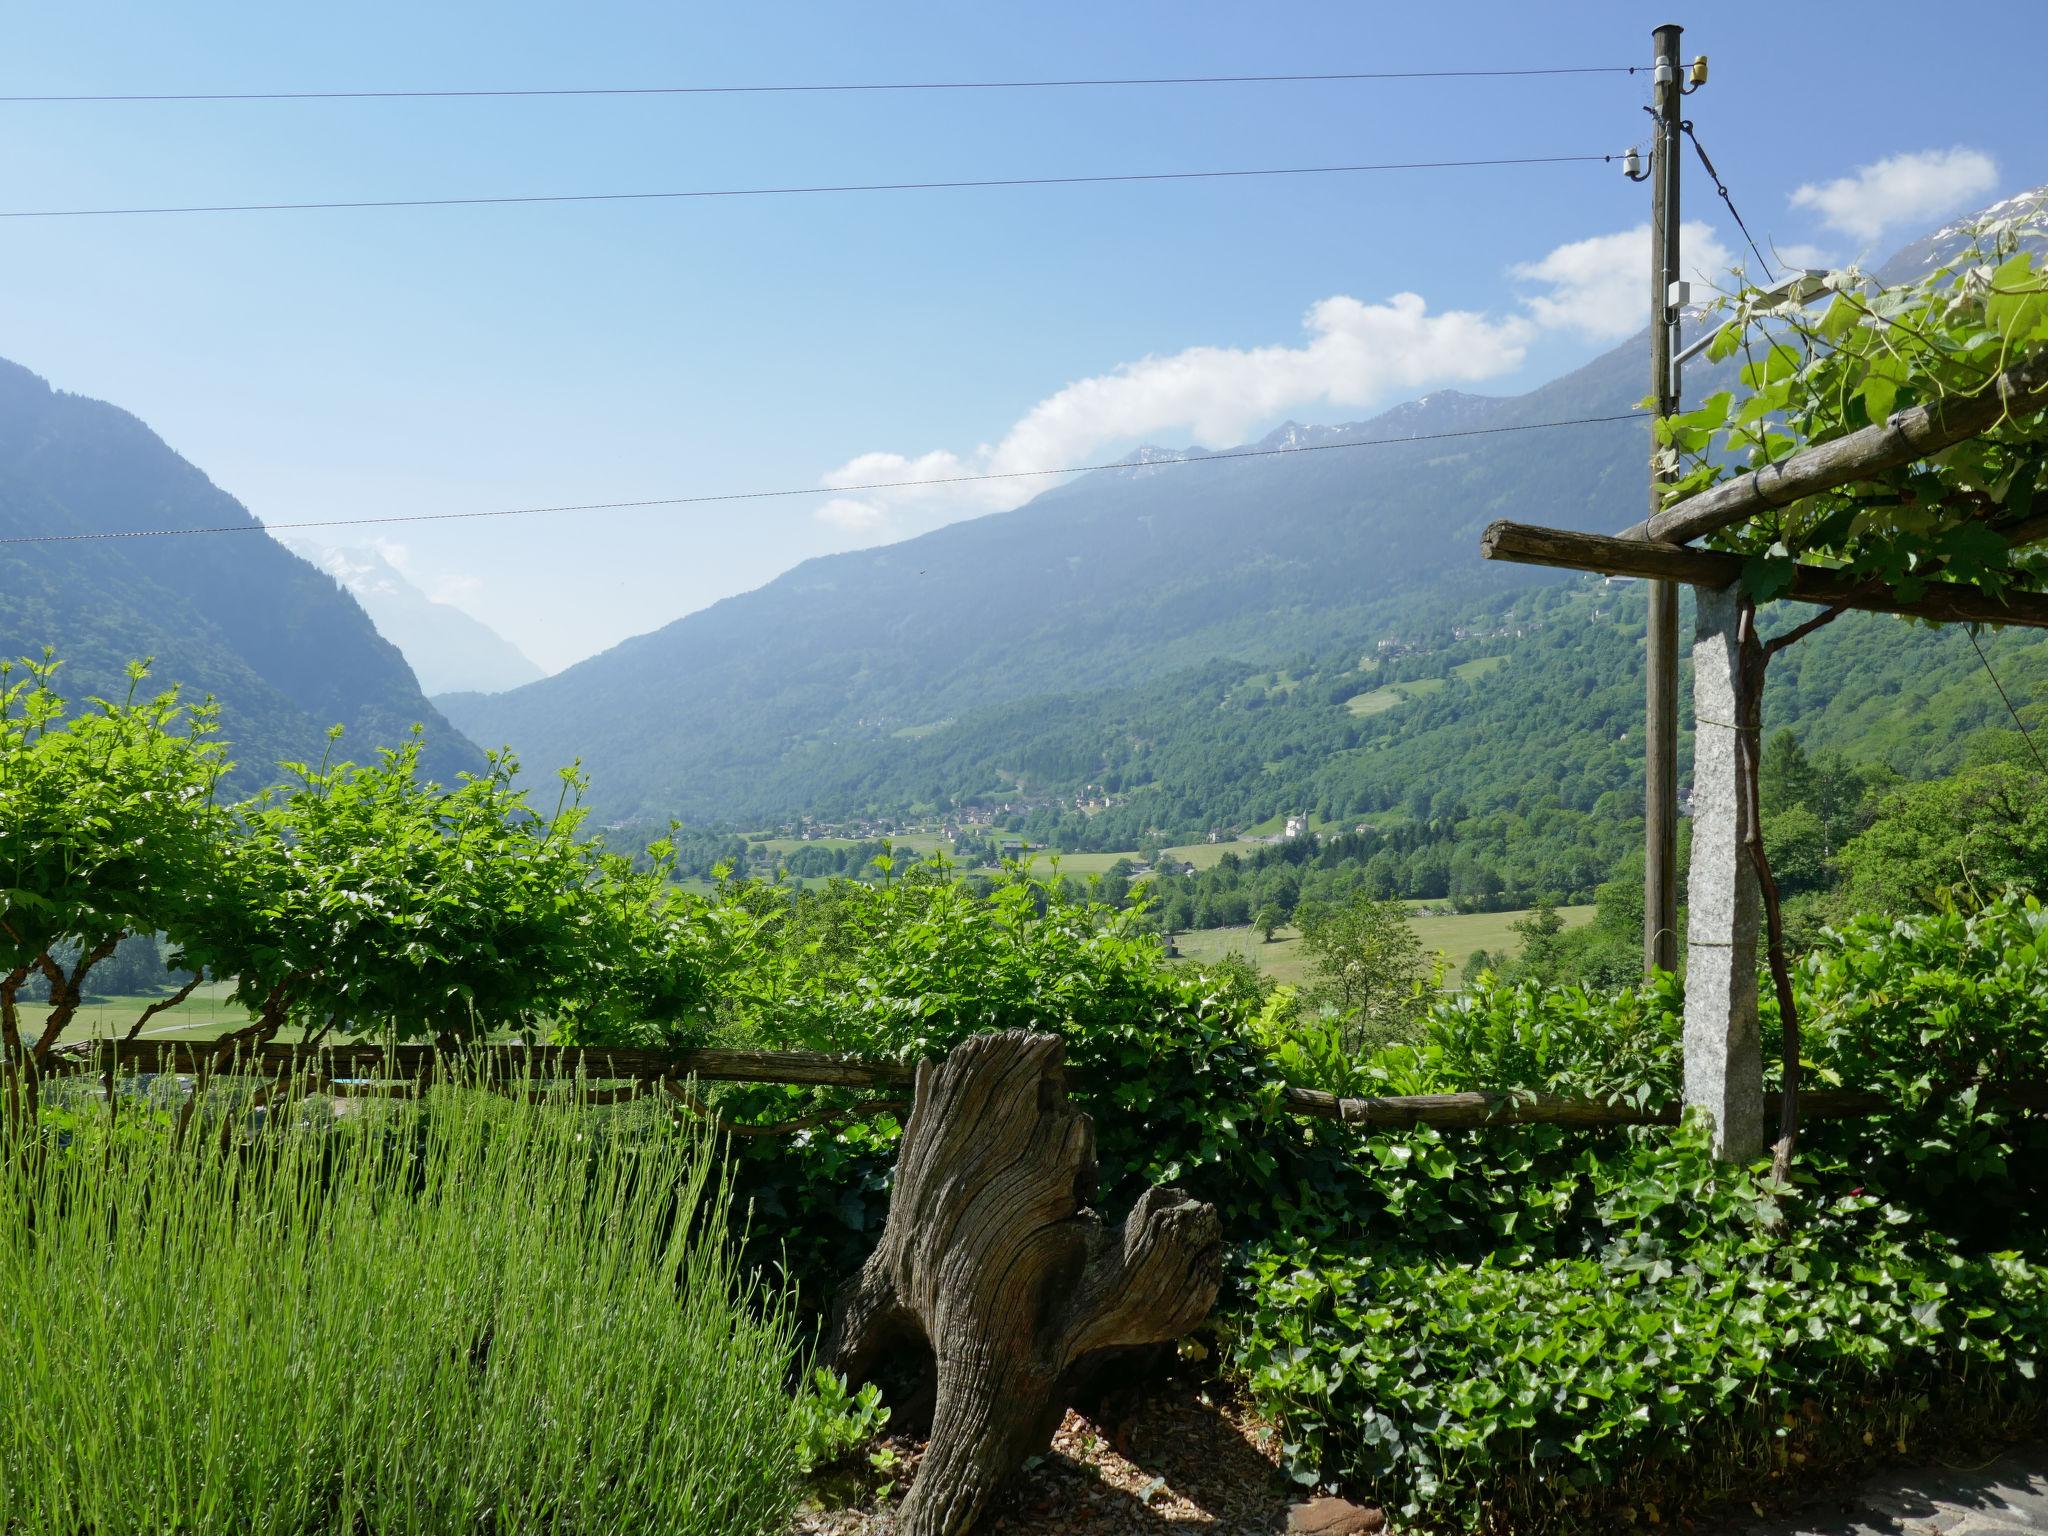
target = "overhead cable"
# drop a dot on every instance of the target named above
(820, 88)
(809, 490)
(798, 191)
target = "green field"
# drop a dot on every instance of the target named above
(1456, 936)
(1479, 666)
(206, 1012)
(1380, 700)
(915, 842)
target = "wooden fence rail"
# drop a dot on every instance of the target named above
(368, 1065)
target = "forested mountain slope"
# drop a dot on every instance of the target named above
(287, 652)
(1106, 634)
(1120, 579)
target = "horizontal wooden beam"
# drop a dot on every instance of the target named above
(617, 1063)
(373, 1065)
(1471, 1111)
(1918, 433)
(1942, 601)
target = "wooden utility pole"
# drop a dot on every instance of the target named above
(1660, 733)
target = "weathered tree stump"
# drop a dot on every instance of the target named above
(992, 1260)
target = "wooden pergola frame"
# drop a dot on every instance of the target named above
(1723, 1048)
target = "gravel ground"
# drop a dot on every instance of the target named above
(1182, 1463)
(1178, 1463)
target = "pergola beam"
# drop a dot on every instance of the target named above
(1918, 433)
(1944, 601)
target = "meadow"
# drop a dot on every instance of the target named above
(1455, 936)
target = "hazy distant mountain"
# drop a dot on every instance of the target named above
(234, 614)
(450, 652)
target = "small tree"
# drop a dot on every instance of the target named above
(364, 898)
(1368, 964)
(1269, 921)
(109, 827)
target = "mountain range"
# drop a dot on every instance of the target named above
(1336, 538)
(1201, 637)
(232, 613)
(940, 667)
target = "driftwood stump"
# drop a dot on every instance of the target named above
(992, 1260)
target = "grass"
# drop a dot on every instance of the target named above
(1479, 666)
(208, 1011)
(1393, 695)
(462, 1314)
(1456, 936)
(1379, 700)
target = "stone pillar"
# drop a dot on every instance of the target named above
(1723, 1051)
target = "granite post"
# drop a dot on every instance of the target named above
(1723, 1049)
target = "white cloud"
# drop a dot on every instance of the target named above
(850, 516)
(1900, 189)
(1353, 355)
(1600, 287)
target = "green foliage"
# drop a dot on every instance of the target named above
(459, 1314)
(838, 1422)
(357, 898)
(1656, 1356)
(1368, 966)
(1979, 830)
(1873, 351)
(1534, 1326)
(366, 898)
(109, 827)
(1603, 955)
(1923, 1010)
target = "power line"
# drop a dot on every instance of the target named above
(808, 490)
(2025, 735)
(1721, 187)
(802, 191)
(817, 88)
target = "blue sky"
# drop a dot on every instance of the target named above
(335, 364)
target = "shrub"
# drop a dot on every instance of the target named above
(458, 1315)
(1527, 1325)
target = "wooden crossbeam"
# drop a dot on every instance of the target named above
(375, 1066)
(1912, 434)
(1944, 601)
(369, 1060)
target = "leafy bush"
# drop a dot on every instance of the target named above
(1531, 1324)
(1651, 1346)
(363, 897)
(458, 1315)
